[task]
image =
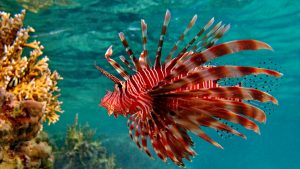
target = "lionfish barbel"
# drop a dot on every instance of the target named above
(165, 100)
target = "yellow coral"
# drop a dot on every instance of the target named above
(26, 77)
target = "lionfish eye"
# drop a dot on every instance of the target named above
(119, 85)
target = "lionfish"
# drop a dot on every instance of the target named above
(165, 100)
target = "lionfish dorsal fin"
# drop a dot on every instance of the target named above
(144, 55)
(183, 51)
(209, 54)
(198, 59)
(108, 75)
(217, 36)
(115, 65)
(187, 29)
(126, 62)
(209, 23)
(161, 38)
(130, 52)
(204, 40)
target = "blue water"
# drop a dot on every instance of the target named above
(76, 35)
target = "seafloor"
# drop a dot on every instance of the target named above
(77, 33)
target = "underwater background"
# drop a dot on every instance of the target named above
(76, 33)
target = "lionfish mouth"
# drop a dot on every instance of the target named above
(110, 111)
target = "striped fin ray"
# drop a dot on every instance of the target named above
(156, 142)
(183, 51)
(208, 121)
(215, 36)
(170, 149)
(130, 124)
(234, 106)
(207, 35)
(182, 138)
(108, 75)
(224, 92)
(207, 26)
(218, 36)
(130, 52)
(137, 133)
(127, 63)
(213, 73)
(190, 25)
(144, 54)
(202, 117)
(161, 39)
(144, 135)
(194, 128)
(115, 65)
(232, 117)
(198, 59)
(133, 124)
(177, 137)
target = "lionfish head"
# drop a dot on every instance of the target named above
(111, 102)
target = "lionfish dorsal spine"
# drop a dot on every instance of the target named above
(127, 63)
(187, 29)
(130, 52)
(201, 43)
(182, 52)
(144, 55)
(115, 65)
(213, 40)
(161, 38)
(108, 75)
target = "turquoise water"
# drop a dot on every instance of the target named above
(76, 35)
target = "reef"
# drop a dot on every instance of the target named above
(33, 154)
(82, 150)
(19, 120)
(27, 77)
(28, 97)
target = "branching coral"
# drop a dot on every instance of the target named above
(29, 78)
(28, 97)
(81, 150)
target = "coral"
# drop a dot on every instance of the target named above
(29, 78)
(81, 150)
(19, 120)
(33, 154)
(35, 6)
(28, 97)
